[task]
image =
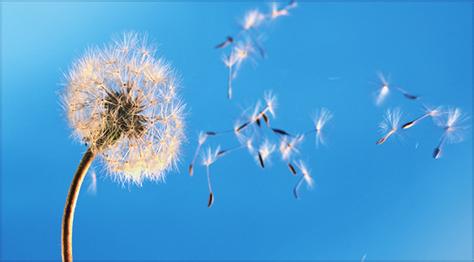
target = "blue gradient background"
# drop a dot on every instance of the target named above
(389, 202)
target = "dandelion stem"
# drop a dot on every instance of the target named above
(68, 216)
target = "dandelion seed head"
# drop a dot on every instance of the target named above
(210, 156)
(277, 12)
(266, 149)
(453, 122)
(122, 102)
(391, 120)
(383, 91)
(252, 19)
(202, 138)
(320, 120)
(289, 147)
(270, 102)
(433, 111)
(306, 174)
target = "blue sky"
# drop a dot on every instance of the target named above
(389, 202)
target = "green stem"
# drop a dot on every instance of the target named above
(68, 216)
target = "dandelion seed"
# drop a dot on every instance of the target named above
(229, 40)
(242, 126)
(209, 158)
(408, 95)
(240, 53)
(260, 160)
(252, 20)
(429, 112)
(201, 140)
(389, 125)
(277, 12)
(122, 102)
(265, 118)
(211, 200)
(320, 120)
(383, 91)
(223, 152)
(288, 147)
(280, 132)
(264, 152)
(306, 177)
(270, 103)
(453, 126)
(292, 168)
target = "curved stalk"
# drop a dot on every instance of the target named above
(68, 216)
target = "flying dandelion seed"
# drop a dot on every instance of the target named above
(383, 91)
(201, 140)
(452, 124)
(319, 121)
(252, 20)
(289, 147)
(389, 125)
(228, 41)
(408, 95)
(122, 102)
(209, 158)
(276, 11)
(264, 152)
(258, 113)
(429, 112)
(241, 52)
(306, 177)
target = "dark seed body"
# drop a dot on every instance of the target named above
(292, 168)
(211, 200)
(260, 159)
(280, 131)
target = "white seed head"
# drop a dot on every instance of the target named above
(306, 174)
(252, 19)
(288, 147)
(270, 102)
(266, 149)
(122, 102)
(209, 156)
(453, 123)
(383, 91)
(391, 120)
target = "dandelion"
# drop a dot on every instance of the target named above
(452, 124)
(319, 121)
(208, 159)
(122, 102)
(306, 177)
(429, 112)
(383, 91)
(389, 125)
